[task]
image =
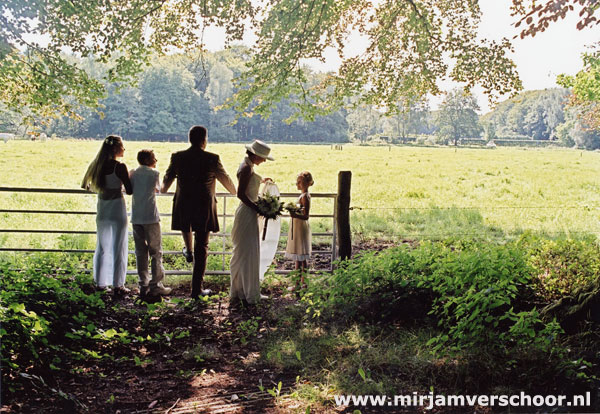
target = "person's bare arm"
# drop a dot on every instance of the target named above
(245, 175)
(123, 174)
(157, 183)
(169, 177)
(305, 204)
(224, 178)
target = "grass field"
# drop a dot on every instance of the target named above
(397, 193)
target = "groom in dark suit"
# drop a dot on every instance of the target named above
(194, 203)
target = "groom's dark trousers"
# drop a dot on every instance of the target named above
(200, 256)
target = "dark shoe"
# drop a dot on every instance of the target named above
(144, 292)
(189, 256)
(150, 298)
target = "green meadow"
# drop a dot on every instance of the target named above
(397, 193)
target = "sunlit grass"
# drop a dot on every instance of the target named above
(398, 192)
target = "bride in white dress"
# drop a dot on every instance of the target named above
(245, 283)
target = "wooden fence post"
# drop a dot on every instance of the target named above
(343, 214)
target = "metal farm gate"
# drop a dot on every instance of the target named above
(224, 217)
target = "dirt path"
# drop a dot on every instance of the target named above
(216, 369)
(203, 360)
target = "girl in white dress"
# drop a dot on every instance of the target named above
(299, 243)
(107, 176)
(245, 282)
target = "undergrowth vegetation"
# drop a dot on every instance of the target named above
(40, 307)
(56, 325)
(457, 317)
(482, 306)
(481, 296)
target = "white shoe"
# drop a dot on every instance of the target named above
(121, 291)
(189, 256)
(160, 290)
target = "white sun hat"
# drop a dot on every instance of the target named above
(260, 149)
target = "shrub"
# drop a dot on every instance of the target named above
(562, 266)
(34, 304)
(479, 294)
(376, 283)
(481, 301)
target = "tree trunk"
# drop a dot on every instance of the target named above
(570, 311)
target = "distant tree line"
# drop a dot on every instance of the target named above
(532, 114)
(541, 115)
(178, 91)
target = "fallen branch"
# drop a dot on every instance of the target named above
(173, 406)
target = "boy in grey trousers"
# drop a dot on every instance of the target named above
(146, 225)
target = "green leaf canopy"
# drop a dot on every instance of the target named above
(409, 47)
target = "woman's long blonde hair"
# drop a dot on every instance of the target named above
(93, 179)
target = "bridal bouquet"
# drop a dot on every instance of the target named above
(269, 207)
(293, 207)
